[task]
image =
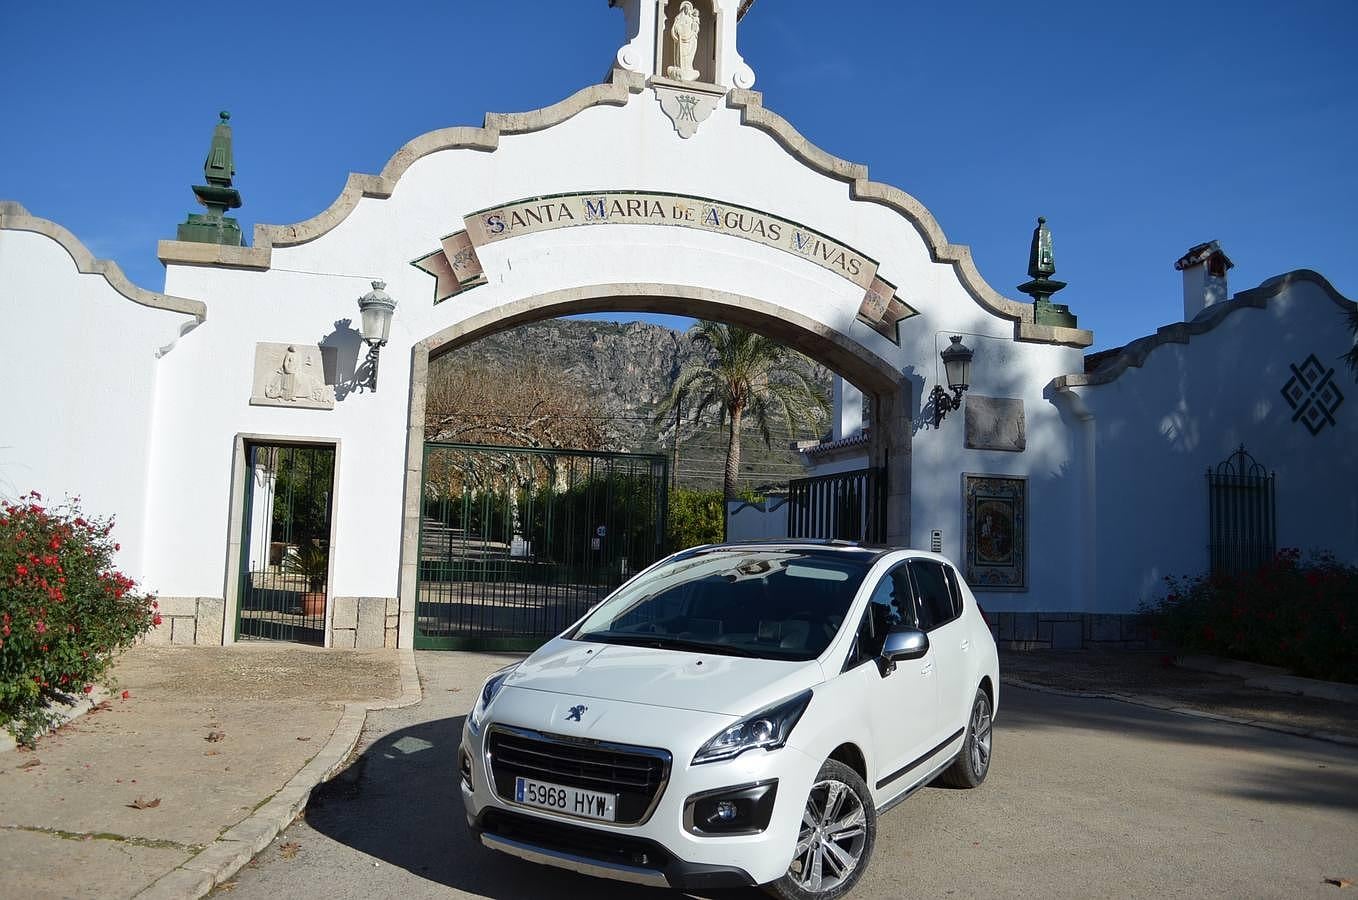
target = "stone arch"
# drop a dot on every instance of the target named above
(879, 379)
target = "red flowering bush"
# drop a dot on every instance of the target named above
(64, 610)
(1302, 615)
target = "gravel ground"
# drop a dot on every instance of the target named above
(264, 671)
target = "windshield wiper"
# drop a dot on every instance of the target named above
(660, 642)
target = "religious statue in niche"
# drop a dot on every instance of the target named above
(296, 379)
(684, 31)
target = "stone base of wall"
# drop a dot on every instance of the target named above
(1070, 631)
(188, 621)
(364, 623)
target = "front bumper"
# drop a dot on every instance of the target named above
(659, 850)
(590, 852)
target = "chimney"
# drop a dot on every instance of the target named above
(1204, 268)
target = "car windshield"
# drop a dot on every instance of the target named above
(773, 604)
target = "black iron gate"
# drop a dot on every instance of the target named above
(849, 506)
(517, 543)
(1241, 515)
(285, 546)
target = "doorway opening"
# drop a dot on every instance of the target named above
(285, 545)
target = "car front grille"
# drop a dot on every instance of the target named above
(636, 774)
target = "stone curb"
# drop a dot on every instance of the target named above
(237, 845)
(69, 714)
(1174, 706)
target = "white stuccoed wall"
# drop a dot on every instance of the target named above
(202, 402)
(81, 372)
(1158, 428)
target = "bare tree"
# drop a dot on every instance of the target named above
(522, 405)
(525, 405)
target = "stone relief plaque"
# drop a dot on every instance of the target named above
(995, 423)
(293, 375)
(687, 109)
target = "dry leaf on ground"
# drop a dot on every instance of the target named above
(304, 739)
(289, 850)
(215, 736)
(1340, 882)
(139, 803)
(31, 763)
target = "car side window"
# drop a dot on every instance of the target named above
(891, 606)
(935, 597)
(955, 590)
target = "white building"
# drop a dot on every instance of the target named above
(669, 188)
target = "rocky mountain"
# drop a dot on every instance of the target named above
(627, 369)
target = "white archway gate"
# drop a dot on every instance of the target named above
(641, 195)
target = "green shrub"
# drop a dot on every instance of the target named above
(696, 517)
(1300, 615)
(64, 611)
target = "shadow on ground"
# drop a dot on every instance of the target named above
(1315, 773)
(399, 802)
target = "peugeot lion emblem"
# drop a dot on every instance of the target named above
(576, 712)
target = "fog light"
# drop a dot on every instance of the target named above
(464, 765)
(740, 809)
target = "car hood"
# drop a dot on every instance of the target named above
(704, 682)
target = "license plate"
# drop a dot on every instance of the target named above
(574, 801)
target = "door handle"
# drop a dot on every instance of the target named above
(966, 645)
(927, 668)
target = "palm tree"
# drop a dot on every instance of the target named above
(745, 374)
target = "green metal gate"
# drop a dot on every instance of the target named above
(516, 543)
(285, 555)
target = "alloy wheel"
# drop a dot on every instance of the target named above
(833, 835)
(980, 730)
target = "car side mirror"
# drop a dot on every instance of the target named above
(907, 643)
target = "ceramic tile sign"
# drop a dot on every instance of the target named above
(996, 532)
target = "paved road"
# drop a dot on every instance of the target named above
(1087, 798)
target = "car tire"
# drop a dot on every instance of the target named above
(973, 763)
(839, 829)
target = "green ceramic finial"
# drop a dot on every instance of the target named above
(1041, 262)
(1041, 266)
(219, 169)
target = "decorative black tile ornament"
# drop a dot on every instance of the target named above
(1312, 394)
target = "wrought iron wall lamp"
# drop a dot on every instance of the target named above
(957, 366)
(377, 307)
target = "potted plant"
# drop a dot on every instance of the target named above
(313, 564)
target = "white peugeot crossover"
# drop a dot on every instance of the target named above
(736, 715)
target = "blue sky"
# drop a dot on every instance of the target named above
(1138, 129)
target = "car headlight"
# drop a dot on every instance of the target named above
(488, 692)
(768, 728)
